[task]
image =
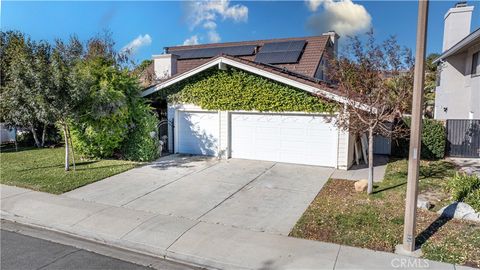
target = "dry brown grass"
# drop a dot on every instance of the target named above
(340, 215)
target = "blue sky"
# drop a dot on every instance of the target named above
(147, 27)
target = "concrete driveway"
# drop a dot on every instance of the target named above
(248, 194)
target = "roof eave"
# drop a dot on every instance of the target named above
(231, 62)
(466, 41)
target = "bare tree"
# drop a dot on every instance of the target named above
(376, 79)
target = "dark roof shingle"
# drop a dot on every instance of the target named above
(307, 64)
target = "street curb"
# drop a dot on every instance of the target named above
(97, 239)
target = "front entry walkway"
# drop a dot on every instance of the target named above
(248, 194)
(360, 172)
(468, 165)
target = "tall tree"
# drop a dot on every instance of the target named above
(376, 80)
(66, 97)
(22, 88)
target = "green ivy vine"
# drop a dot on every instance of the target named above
(235, 89)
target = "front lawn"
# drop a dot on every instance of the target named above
(43, 170)
(340, 215)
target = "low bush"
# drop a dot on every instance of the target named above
(464, 187)
(473, 199)
(433, 140)
(142, 143)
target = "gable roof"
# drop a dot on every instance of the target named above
(307, 64)
(461, 45)
(278, 74)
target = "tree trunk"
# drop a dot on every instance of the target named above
(370, 161)
(35, 137)
(71, 145)
(67, 161)
(44, 134)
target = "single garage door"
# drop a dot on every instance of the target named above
(197, 133)
(302, 139)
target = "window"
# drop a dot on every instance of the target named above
(476, 64)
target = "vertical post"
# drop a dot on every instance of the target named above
(416, 131)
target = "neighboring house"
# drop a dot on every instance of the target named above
(7, 134)
(457, 95)
(291, 136)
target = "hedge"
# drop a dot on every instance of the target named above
(234, 89)
(433, 140)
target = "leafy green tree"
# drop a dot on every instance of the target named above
(24, 83)
(66, 97)
(430, 84)
(101, 124)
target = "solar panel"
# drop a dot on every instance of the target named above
(211, 52)
(278, 57)
(295, 45)
(284, 52)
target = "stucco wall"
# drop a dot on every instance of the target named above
(458, 96)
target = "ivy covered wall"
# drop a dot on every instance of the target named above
(235, 89)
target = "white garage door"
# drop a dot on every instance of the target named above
(302, 139)
(197, 133)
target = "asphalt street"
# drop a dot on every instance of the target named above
(22, 252)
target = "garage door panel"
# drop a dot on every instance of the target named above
(292, 132)
(303, 139)
(198, 133)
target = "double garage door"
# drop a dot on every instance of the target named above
(289, 138)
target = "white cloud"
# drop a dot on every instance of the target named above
(213, 36)
(210, 25)
(141, 41)
(193, 40)
(313, 4)
(344, 17)
(205, 14)
(199, 12)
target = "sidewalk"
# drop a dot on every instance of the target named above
(188, 241)
(359, 172)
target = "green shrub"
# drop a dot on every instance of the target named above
(433, 140)
(142, 143)
(462, 185)
(473, 199)
(99, 138)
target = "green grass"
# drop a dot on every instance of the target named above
(43, 169)
(340, 215)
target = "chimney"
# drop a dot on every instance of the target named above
(457, 24)
(334, 38)
(164, 65)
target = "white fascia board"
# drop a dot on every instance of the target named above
(222, 60)
(184, 75)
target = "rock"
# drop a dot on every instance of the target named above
(361, 185)
(423, 203)
(459, 210)
(467, 170)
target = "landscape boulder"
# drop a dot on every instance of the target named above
(423, 203)
(460, 210)
(361, 185)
